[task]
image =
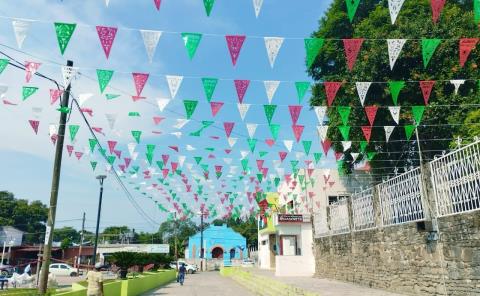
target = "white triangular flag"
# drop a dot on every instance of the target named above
(362, 90)
(162, 103)
(20, 28)
(320, 111)
(190, 148)
(457, 83)
(273, 45)
(394, 7)
(111, 118)
(346, 145)
(288, 144)
(107, 2)
(189, 166)
(232, 141)
(322, 132)
(257, 6)
(395, 112)
(271, 87)
(150, 40)
(243, 109)
(227, 160)
(174, 83)
(326, 172)
(181, 123)
(280, 171)
(395, 47)
(244, 153)
(276, 163)
(388, 131)
(82, 98)
(131, 148)
(52, 130)
(134, 156)
(177, 134)
(181, 160)
(354, 156)
(251, 128)
(68, 74)
(3, 90)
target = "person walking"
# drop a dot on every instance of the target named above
(181, 273)
(95, 281)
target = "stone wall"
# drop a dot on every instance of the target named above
(399, 258)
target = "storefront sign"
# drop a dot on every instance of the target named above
(293, 218)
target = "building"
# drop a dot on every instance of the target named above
(10, 236)
(220, 242)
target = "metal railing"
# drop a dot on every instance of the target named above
(320, 224)
(339, 221)
(363, 210)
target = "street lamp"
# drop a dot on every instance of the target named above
(99, 178)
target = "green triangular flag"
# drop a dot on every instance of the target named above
(476, 10)
(363, 146)
(418, 113)
(260, 177)
(134, 114)
(27, 91)
(244, 164)
(262, 153)
(111, 159)
(252, 143)
(218, 174)
(160, 164)
(92, 143)
(209, 85)
(104, 77)
(111, 96)
(150, 148)
(352, 6)
(190, 106)
(269, 111)
(64, 33)
(102, 151)
(73, 129)
(274, 129)
(208, 6)
(276, 181)
(344, 112)
(306, 146)
(317, 156)
(93, 164)
(294, 163)
(3, 64)
(302, 87)
(301, 178)
(395, 88)
(204, 167)
(191, 40)
(409, 129)
(198, 159)
(371, 155)
(64, 109)
(211, 149)
(312, 47)
(428, 49)
(136, 135)
(345, 131)
(149, 157)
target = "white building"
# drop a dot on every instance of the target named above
(11, 236)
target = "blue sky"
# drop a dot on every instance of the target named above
(28, 159)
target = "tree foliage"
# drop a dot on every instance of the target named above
(441, 121)
(179, 231)
(66, 232)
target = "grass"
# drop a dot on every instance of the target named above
(23, 292)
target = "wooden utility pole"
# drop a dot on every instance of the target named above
(81, 244)
(47, 250)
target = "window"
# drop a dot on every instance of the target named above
(336, 198)
(288, 245)
(264, 242)
(63, 266)
(54, 266)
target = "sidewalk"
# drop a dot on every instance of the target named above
(324, 287)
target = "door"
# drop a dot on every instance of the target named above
(64, 270)
(273, 249)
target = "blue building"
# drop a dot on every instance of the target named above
(220, 242)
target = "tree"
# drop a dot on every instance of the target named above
(24, 215)
(441, 121)
(113, 233)
(66, 232)
(179, 231)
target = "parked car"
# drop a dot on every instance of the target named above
(191, 268)
(247, 262)
(6, 270)
(62, 269)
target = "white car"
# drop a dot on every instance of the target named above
(62, 269)
(191, 268)
(247, 262)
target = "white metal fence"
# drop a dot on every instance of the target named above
(456, 180)
(401, 198)
(339, 222)
(320, 224)
(363, 210)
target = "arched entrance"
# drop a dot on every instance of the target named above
(217, 253)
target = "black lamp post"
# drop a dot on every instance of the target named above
(99, 178)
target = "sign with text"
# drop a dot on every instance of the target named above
(291, 218)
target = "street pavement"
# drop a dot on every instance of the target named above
(209, 283)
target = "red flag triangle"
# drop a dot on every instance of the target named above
(352, 48)
(331, 89)
(371, 113)
(426, 87)
(367, 132)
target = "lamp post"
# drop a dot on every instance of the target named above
(100, 178)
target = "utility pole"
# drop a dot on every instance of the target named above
(100, 178)
(47, 250)
(201, 240)
(81, 244)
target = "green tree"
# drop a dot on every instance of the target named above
(24, 215)
(66, 232)
(113, 233)
(441, 121)
(179, 231)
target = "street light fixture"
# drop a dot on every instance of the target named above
(100, 178)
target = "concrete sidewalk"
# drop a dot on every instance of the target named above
(324, 287)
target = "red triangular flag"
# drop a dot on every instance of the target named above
(298, 131)
(371, 113)
(157, 119)
(118, 153)
(34, 124)
(215, 106)
(260, 164)
(165, 158)
(174, 166)
(78, 154)
(70, 149)
(106, 36)
(367, 132)
(466, 47)
(157, 3)
(127, 161)
(55, 95)
(111, 146)
(352, 48)
(426, 87)
(165, 173)
(326, 146)
(282, 155)
(310, 172)
(173, 148)
(241, 86)
(228, 126)
(338, 155)
(295, 112)
(234, 43)
(270, 142)
(331, 89)
(227, 151)
(140, 79)
(437, 7)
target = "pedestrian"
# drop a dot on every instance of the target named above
(181, 273)
(95, 281)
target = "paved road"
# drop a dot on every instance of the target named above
(209, 283)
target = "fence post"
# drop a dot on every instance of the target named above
(377, 207)
(429, 201)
